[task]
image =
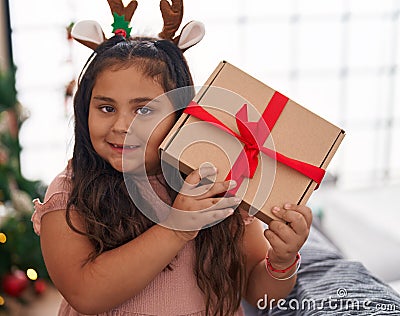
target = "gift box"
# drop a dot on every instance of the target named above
(274, 148)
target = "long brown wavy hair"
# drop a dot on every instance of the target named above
(111, 222)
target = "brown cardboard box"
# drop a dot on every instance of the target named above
(298, 134)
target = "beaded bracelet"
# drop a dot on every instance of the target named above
(269, 267)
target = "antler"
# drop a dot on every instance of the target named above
(118, 7)
(122, 16)
(172, 16)
(91, 35)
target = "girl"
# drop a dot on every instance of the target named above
(106, 257)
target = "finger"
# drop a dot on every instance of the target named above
(196, 191)
(275, 241)
(283, 231)
(210, 190)
(306, 211)
(194, 178)
(220, 203)
(218, 188)
(190, 221)
(296, 220)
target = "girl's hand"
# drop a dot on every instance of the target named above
(286, 239)
(197, 205)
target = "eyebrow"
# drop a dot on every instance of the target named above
(131, 101)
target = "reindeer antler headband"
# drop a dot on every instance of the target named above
(90, 33)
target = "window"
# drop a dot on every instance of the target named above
(337, 58)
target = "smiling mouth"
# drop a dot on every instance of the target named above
(120, 147)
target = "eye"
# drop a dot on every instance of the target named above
(107, 109)
(144, 111)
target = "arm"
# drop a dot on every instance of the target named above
(115, 275)
(281, 242)
(118, 274)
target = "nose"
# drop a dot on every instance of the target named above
(122, 124)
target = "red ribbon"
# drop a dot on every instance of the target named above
(253, 136)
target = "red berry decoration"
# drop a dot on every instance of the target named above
(15, 283)
(40, 286)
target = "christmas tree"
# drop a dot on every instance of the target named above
(22, 269)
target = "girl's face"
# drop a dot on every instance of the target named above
(124, 119)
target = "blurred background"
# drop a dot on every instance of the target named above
(338, 58)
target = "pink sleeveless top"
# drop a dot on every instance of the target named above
(172, 292)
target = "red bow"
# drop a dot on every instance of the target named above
(253, 136)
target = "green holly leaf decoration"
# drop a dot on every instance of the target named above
(120, 23)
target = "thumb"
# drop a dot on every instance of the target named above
(195, 176)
